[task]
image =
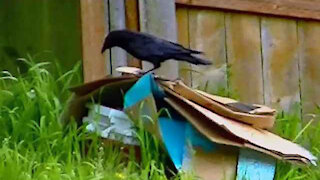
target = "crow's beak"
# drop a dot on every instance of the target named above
(103, 48)
(106, 45)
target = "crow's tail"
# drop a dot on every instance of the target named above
(195, 51)
(193, 60)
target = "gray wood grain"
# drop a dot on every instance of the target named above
(158, 17)
(280, 63)
(115, 20)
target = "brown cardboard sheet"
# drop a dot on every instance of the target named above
(219, 105)
(242, 135)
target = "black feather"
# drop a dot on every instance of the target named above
(150, 48)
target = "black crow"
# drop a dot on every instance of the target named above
(149, 48)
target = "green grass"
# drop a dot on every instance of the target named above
(34, 145)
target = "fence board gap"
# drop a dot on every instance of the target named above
(207, 34)
(280, 63)
(244, 57)
(132, 23)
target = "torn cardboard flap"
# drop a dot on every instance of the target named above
(255, 109)
(91, 86)
(225, 106)
(111, 89)
(239, 134)
(219, 135)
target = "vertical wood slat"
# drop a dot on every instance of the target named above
(92, 15)
(183, 38)
(280, 63)
(309, 61)
(207, 34)
(117, 21)
(107, 53)
(244, 57)
(158, 17)
(132, 23)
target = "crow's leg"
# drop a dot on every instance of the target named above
(155, 66)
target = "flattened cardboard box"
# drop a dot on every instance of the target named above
(224, 130)
(220, 129)
(221, 120)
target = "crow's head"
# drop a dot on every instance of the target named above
(108, 43)
(114, 38)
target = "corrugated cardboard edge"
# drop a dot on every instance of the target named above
(262, 110)
(260, 121)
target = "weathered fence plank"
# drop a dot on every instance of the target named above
(309, 42)
(183, 38)
(244, 57)
(280, 63)
(117, 20)
(207, 34)
(132, 23)
(158, 17)
(93, 31)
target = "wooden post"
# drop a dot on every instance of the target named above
(158, 17)
(93, 28)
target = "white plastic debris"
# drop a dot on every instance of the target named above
(110, 124)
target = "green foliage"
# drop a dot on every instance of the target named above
(307, 133)
(31, 26)
(34, 145)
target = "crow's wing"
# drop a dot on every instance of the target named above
(172, 48)
(148, 38)
(147, 47)
(189, 50)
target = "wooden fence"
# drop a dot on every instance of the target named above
(257, 58)
(260, 59)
